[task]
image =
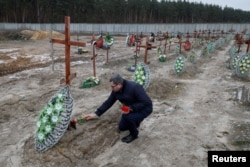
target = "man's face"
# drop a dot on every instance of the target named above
(115, 87)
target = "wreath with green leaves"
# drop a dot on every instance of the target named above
(159, 51)
(162, 58)
(53, 120)
(179, 65)
(234, 61)
(192, 57)
(232, 51)
(49, 117)
(109, 40)
(177, 49)
(90, 82)
(243, 65)
(141, 75)
(210, 47)
(204, 51)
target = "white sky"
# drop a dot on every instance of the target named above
(236, 4)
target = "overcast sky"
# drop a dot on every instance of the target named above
(236, 4)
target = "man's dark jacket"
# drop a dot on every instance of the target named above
(132, 95)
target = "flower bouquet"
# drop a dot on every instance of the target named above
(90, 82)
(53, 120)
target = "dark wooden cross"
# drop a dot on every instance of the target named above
(67, 42)
(94, 55)
(93, 58)
(147, 47)
(180, 42)
(248, 44)
(164, 37)
(137, 49)
(239, 40)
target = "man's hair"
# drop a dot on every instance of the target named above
(116, 79)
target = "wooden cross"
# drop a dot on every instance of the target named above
(164, 37)
(248, 44)
(99, 44)
(147, 47)
(67, 44)
(179, 42)
(137, 49)
(239, 40)
(93, 58)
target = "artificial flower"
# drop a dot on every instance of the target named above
(49, 111)
(58, 106)
(44, 119)
(38, 123)
(54, 119)
(48, 129)
(40, 136)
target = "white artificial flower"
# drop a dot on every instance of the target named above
(54, 119)
(44, 119)
(40, 136)
(60, 95)
(38, 124)
(48, 128)
(49, 110)
(58, 106)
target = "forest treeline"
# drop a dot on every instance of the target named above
(118, 11)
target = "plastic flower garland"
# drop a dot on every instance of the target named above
(234, 61)
(109, 40)
(53, 120)
(91, 82)
(177, 49)
(141, 75)
(232, 51)
(162, 58)
(187, 45)
(49, 117)
(204, 51)
(159, 52)
(179, 65)
(192, 57)
(211, 47)
(243, 65)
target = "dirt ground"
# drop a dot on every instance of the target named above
(194, 112)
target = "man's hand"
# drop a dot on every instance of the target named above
(90, 116)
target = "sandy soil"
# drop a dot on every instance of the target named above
(194, 112)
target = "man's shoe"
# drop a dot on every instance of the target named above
(129, 138)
